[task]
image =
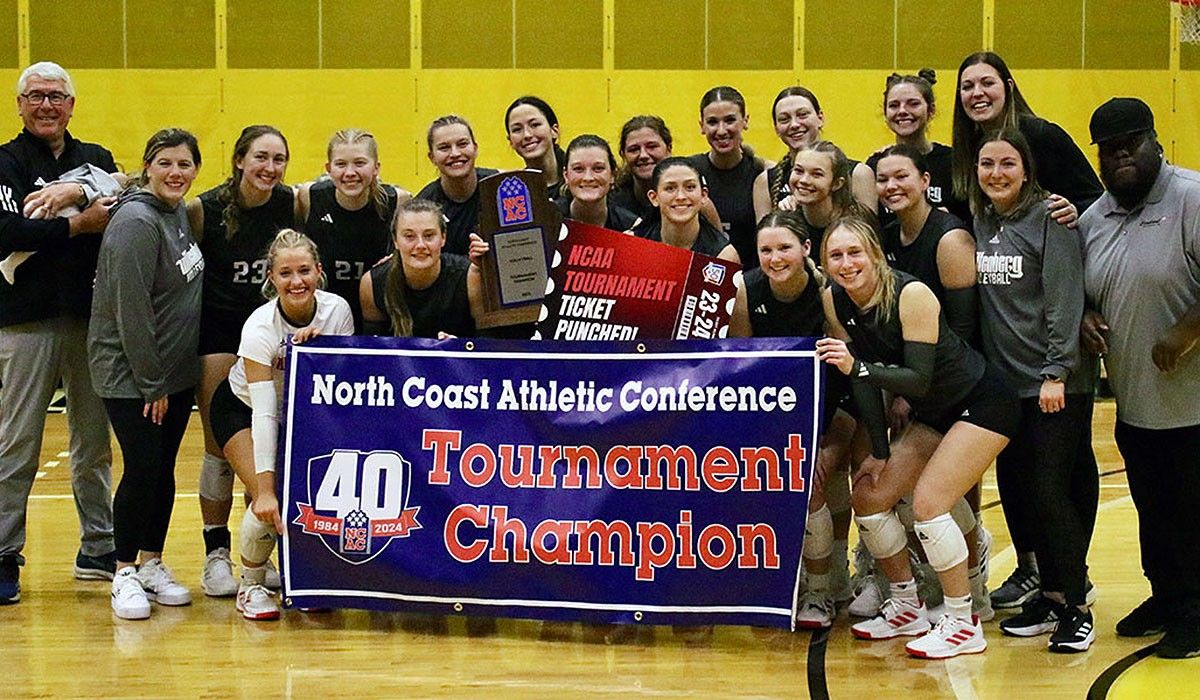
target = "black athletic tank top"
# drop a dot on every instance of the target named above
(710, 241)
(350, 242)
(919, 258)
(235, 268)
(462, 218)
(442, 306)
(771, 318)
(732, 193)
(619, 218)
(957, 367)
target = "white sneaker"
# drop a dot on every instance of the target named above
(868, 597)
(160, 585)
(218, 580)
(129, 601)
(896, 618)
(815, 613)
(272, 577)
(255, 602)
(951, 636)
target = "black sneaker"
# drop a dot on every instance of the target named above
(1021, 587)
(101, 568)
(1146, 619)
(10, 580)
(1182, 640)
(1075, 631)
(1039, 616)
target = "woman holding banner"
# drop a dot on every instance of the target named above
(963, 416)
(245, 406)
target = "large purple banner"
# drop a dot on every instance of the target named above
(658, 482)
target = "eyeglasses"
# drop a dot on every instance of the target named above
(36, 98)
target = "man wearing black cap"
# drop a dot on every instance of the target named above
(1142, 275)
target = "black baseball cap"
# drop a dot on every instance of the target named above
(1120, 116)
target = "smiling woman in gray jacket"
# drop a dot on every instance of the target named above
(1030, 281)
(142, 344)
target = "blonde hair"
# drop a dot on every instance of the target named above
(288, 239)
(884, 296)
(350, 137)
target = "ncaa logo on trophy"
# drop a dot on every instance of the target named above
(358, 502)
(513, 203)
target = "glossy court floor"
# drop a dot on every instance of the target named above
(62, 640)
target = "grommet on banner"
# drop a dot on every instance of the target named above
(458, 607)
(470, 345)
(641, 347)
(287, 602)
(638, 616)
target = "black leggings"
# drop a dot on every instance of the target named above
(144, 499)
(1050, 489)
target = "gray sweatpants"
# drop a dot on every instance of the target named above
(33, 357)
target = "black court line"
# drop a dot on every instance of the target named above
(817, 688)
(1104, 682)
(1115, 471)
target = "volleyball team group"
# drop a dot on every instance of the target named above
(962, 293)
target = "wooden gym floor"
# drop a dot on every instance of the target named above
(62, 640)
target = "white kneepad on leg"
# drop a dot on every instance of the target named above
(256, 538)
(818, 534)
(944, 544)
(216, 479)
(883, 533)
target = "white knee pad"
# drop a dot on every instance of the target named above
(944, 544)
(904, 511)
(963, 516)
(256, 538)
(837, 491)
(882, 533)
(216, 478)
(818, 534)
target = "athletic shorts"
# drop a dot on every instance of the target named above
(991, 405)
(227, 414)
(220, 331)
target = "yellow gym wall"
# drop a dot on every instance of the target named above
(313, 66)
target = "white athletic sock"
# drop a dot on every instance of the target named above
(254, 574)
(959, 606)
(905, 590)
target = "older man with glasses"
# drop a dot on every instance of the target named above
(45, 302)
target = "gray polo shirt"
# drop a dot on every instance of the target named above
(1142, 272)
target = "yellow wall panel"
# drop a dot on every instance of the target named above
(273, 34)
(643, 39)
(57, 32)
(1040, 34)
(937, 33)
(319, 103)
(839, 34)
(365, 33)
(556, 34)
(9, 53)
(467, 33)
(1180, 136)
(121, 109)
(751, 35)
(1189, 57)
(178, 34)
(1127, 34)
